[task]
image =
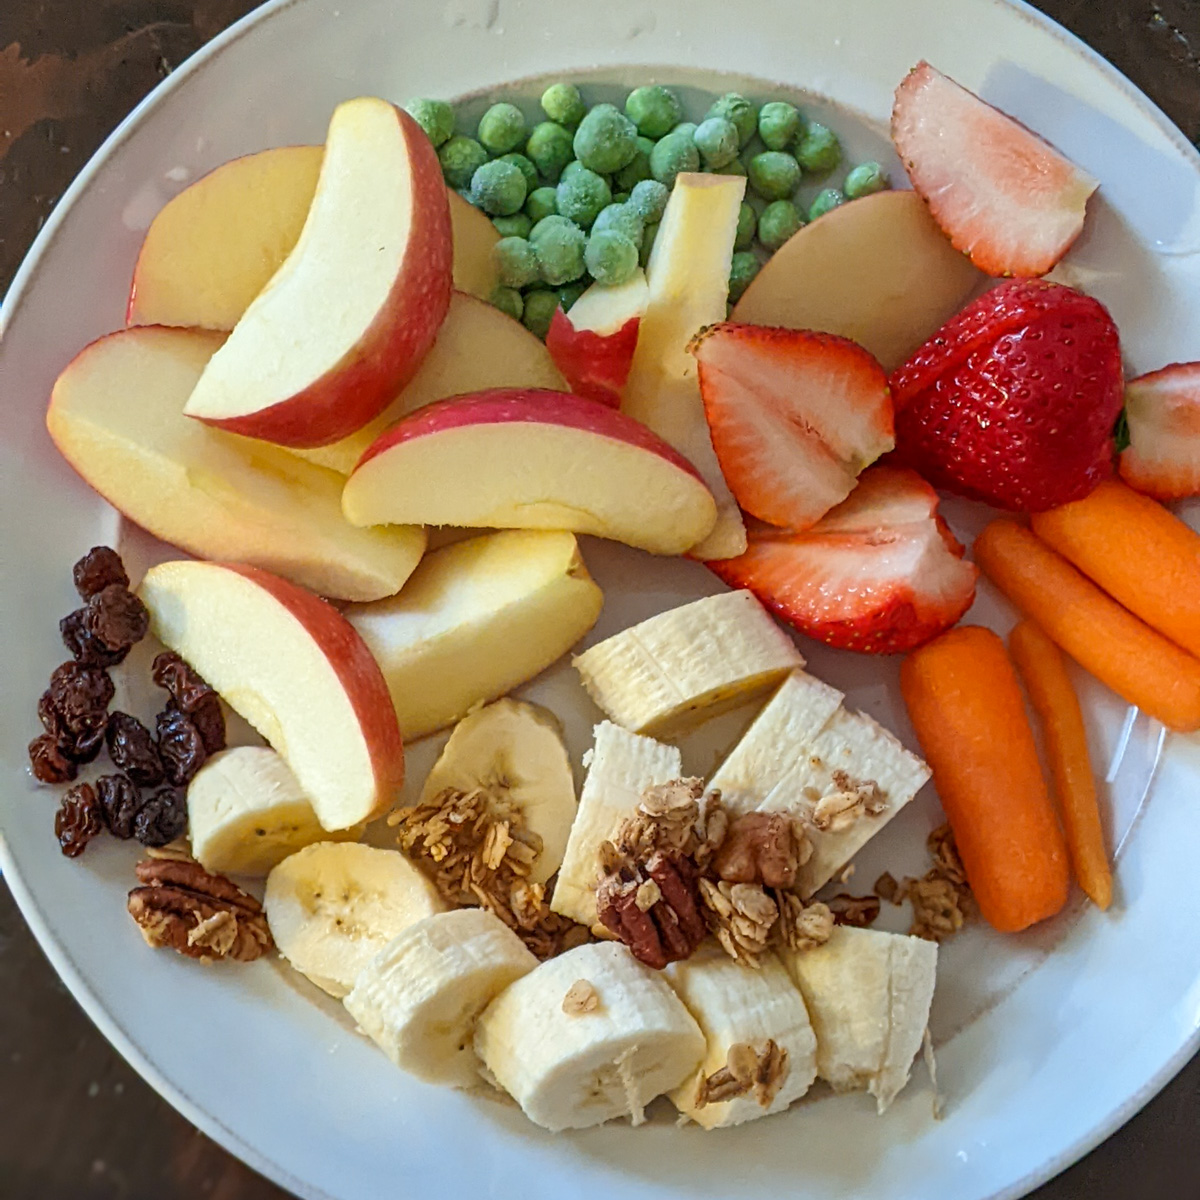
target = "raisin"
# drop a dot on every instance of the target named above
(116, 617)
(161, 819)
(186, 687)
(82, 747)
(180, 745)
(209, 719)
(48, 714)
(80, 696)
(132, 750)
(120, 801)
(99, 567)
(48, 762)
(78, 820)
(86, 649)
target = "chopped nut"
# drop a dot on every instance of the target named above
(740, 916)
(803, 926)
(746, 1069)
(887, 889)
(760, 847)
(672, 927)
(858, 911)
(581, 998)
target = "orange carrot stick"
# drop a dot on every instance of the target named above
(1141, 554)
(966, 706)
(1104, 638)
(1044, 670)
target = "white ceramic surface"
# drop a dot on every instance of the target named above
(1046, 1042)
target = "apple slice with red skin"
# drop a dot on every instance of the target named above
(593, 344)
(344, 324)
(514, 458)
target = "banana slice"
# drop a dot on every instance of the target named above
(588, 1036)
(868, 994)
(418, 999)
(333, 906)
(246, 813)
(681, 667)
(736, 1007)
(515, 752)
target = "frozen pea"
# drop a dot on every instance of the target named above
(558, 245)
(525, 167)
(517, 225)
(746, 227)
(777, 222)
(461, 157)
(687, 128)
(653, 109)
(818, 150)
(581, 194)
(864, 180)
(611, 257)
(547, 224)
(778, 124)
(549, 149)
(674, 153)
(742, 271)
(539, 311)
(570, 292)
(620, 197)
(773, 174)
(501, 128)
(516, 262)
(650, 198)
(717, 140)
(736, 108)
(508, 300)
(541, 202)
(605, 140)
(648, 236)
(637, 168)
(562, 103)
(622, 219)
(737, 167)
(827, 198)
(436, 117)
(498, 188)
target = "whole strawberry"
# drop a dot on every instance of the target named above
(1013, 402)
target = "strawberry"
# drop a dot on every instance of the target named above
(1013, 401)
(794, 415)
(1001, 194)
(880, 573)
(1162, 410)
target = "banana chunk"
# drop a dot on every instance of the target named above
(868, 994)
(333, 906)
(737, 1007)
(418, 999)
(622, 766)
(572, 1066)
(677, 669)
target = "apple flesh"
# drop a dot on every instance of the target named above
(877, 270)
(344, 324)
(475, 271)
(477, 619)
(593, 344)
(294, 667)
(116, 415)
(531, 459)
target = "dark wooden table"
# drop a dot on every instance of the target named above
(76, 1123)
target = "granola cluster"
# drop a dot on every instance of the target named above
(746, 1069)
(941, 899)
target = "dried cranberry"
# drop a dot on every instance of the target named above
(99, 567)
(78, 820)
(120, 801)
(132, 750)
(47, 761)
(180, 745)
(209, 719)
(161, 819)
(116, 617)
(187, 688)
(79, 695)
(85, 648)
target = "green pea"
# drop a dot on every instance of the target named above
(547, 225)
(746, 227)
(540, 304)
(773, 174)
(736, 108)
(622, 219)
(673, 154)
(778, 124)
(611, 257)
(570, 292)
(605, 140)
(517, 225)
(525, 167)
(687, 128)
(559, 249)
(717, 140)
(549, 149)
(498, 188)
(648, 236)
(777, 222)
(508, 300)
(637, 168)
(818, 150)
(516, 262)
(737, 167)
(653, 109)
(502, 128)
(620, 198)
(562, 103)
(742, 271)
(650, 198)
(461, 157)
(581, 194)
(436, 117)
(827, 199)
(864, 180)
(541, 202)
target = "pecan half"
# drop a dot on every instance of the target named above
(654, 909)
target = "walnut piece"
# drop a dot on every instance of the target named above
(762, 847)
(803, 926)
(740, 916)
(581, 998)
(745, 1068)
(654, 908)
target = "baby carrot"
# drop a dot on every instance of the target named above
(965, 704)
(1141, 554)
(1121, 651)
(1044, 670)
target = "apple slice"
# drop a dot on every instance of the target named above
(474, 235)
(593, 345)
(688, 276)
(878, 271)
(477, 619)
(116, 415)
(477, 347)
(345, 322)
(531, 459)
(293, 666)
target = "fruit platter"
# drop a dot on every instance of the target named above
(638, 616)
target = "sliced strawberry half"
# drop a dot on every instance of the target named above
(1002, 195)
(1162, 410)
(879, 574)
(795, 416)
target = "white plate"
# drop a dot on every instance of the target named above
(1047, 1042)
